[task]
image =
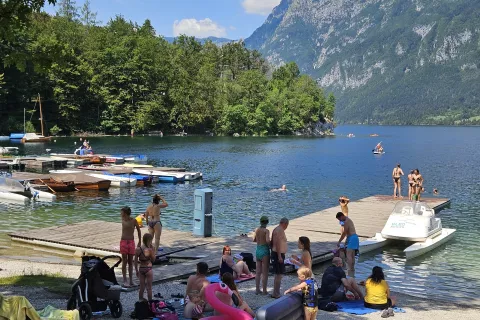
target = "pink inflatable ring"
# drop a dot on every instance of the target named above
(227, 312)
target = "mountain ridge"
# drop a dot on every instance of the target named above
(387, 61)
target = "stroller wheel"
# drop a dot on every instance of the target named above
(72, 303)
(116, 308)
(85, 311)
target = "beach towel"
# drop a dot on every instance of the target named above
(16, 308)
(215, 278)
(357, 307)
(50, 312)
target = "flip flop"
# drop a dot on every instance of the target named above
(272, 296)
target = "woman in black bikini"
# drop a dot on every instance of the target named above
(145, 256)
(397, 181)
(227, 264)
(152, 216)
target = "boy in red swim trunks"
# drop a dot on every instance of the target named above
(127, 244)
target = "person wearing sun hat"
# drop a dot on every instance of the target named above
(262, 238)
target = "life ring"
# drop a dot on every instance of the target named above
(227, 312)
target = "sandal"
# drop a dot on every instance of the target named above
(390, 312)
(178, 295)
(385, 313)
(158, 295)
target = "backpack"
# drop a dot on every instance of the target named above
(248, 259)
(162, 310)
(142, 311)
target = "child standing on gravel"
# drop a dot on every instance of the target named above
(127, 244)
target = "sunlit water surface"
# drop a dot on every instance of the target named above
(241, 172)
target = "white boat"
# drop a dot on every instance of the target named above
(9, 196)
(33, 137)
(8, 150)
(192, 175)
(42, 195)
(64, 171)
(135, 165)
(411, 221)
(120, 182)
(420, 248)
(165, 176)
(372, 243)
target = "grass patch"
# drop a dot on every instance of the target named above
(54, 283)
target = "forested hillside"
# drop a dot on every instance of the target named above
(122, 76)
(387, 61)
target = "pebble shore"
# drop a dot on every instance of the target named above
(416, 308)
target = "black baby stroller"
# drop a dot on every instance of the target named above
(96, 288)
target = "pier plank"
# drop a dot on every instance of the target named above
(369, 215)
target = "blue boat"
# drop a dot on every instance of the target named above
(14, 136)
(139, 177)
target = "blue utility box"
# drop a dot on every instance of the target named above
(202, 214)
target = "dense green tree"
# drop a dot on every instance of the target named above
(122, 76)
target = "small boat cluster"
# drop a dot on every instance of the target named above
(88, 172)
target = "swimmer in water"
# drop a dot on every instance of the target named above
(283, 188)
(435, 191)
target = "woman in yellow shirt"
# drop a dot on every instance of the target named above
(377, 291)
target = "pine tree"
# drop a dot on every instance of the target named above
(89, 18)
(68, 9)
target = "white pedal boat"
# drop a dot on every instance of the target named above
(411, 221)
(120, 182)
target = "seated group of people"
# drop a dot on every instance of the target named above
(335, 285)
(195, 305)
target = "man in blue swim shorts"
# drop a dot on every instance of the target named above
(352, 243)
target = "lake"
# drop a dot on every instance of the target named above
(241, 171)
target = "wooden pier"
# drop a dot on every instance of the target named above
(103, 238)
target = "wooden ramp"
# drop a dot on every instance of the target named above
(102, 238)
(185, 250)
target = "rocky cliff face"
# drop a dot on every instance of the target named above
(387, 61)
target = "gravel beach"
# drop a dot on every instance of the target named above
(416, 308)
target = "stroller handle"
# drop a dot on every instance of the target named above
(113, 257)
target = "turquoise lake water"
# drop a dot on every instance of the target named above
(241, 171)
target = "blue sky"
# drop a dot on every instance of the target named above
(233, 19)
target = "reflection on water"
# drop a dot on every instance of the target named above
(241, 172)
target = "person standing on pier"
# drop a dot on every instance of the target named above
(127, 244)
(397, 174)
(352, 243)
(152, 216)
(279, 249)
(344, 201)
(262, 238)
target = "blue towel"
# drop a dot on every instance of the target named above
(357, 307)
(215, 278)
